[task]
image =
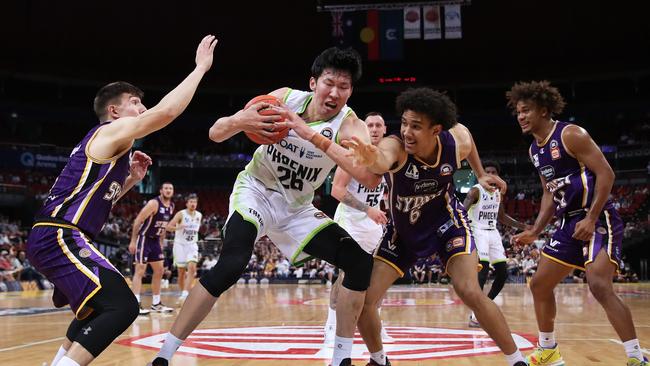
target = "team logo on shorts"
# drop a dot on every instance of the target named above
(305, 343)
(458, 242)
(601, 230)
(84, 253)
(320, 215)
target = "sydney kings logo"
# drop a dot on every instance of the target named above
(306, 343)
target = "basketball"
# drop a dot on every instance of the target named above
(271, 100)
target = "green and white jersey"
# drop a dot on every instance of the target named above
(293, 166)
(189, 234)
(484, 214)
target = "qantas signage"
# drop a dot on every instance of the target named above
(306, 343)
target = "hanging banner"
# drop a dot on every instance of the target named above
(453, 23)
(431, 17)
(412, 23)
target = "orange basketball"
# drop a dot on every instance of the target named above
(265, 111)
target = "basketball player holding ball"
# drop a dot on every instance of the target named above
(272, 196)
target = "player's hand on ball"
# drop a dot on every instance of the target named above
(296, 123)
(362, 154)
(265, 126)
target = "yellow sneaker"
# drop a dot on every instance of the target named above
(545, 357)
(637, 362)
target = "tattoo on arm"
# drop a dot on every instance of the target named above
(349, 200)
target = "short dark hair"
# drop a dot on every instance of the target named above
(539, 92)
(373, 113)
(165, 182)
(432, 103)
(347, 60)
(110, 92)
(493, 164)
(191, 196)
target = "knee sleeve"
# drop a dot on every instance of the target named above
(483, 274)
(334, 245)
(238, 243)
(114, 309)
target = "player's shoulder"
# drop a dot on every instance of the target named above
(281, 93)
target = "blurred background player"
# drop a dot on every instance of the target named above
(577, 181)
(149, 230)
(186, 225)
(359, 213)
(484, 209)
(99, 172)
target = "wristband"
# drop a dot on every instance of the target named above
(321, 142)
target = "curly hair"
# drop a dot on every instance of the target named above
(347, 60)
(434, 104)
(539, 92)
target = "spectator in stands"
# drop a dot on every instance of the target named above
(283, 268)
(29, 273)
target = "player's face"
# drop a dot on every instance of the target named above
(130, 106)
(167, 190)
(331, 90)
(491, 170)
(418, 133)
(376, 128)
(530, 116)
(191, 204)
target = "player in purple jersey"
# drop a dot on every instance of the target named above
(146, 245)
(100, 170)
(426, 216)
(577, 180)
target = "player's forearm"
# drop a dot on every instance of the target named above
(602, 188)
(360, 174)
(129, 183)
(223, 129)
(474, 159)
(546, 212)
(137, 224)
(349, 200)
(508, 220)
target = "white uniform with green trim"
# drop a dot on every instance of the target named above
(484, 215)
(186, 247)
(275, 190)
(357, 223)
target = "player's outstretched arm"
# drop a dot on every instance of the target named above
(466, 149)
(120, 134)
(249, 120)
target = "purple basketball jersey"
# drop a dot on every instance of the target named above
(85, 191)
(421, 196)
(571, 183)
(154, 226)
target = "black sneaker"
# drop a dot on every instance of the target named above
(159, 361)
(520, 363)
(345, 362)
(160, 308)
(374, 363)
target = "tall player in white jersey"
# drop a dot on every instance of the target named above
(484, 210)
(360, 215)
(273, 196)
(186, 224)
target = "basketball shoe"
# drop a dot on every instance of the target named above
(636, 362)
(160, 308)
(374, 363)
(473, 322)
(545, 357)
(159, 361)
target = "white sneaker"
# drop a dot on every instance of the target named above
(330, 334)
(385, 338)
(473, 322)
(160, 308)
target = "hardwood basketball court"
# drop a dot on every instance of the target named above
(255, 325)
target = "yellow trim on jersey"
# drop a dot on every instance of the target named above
(468, 232)
(308, 238)
(347, 114)
(451, 211)
(548, 137)
(562, 262)
(610, 238)
(90, 194)
(437, 159)
(80, 313)
(286, 95)
(94, 249)
(82, 181)
(479, 265)
(396, 268)
(98, 160)
(54, 224)
(585, 187)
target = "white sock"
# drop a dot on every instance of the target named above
(137, 296)
(60, 353)
(65, 361)
(169, 347)
(331, 317)
(342, 349)
(515, 357)
(379, 357)
(633, 349)
(155, 300)
(184, 293)
(547, 339)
